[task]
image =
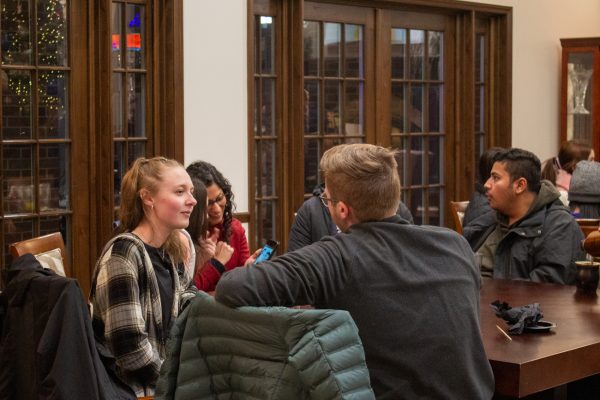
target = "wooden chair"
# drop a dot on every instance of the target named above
(588, 225)
(44, 248)
(458, 212)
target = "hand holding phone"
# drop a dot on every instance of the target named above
(267, 251)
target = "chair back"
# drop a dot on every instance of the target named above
(588, 225)
(458, 212)
(48, 249)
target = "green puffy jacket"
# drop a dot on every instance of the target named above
(216, 352)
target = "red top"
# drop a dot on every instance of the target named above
(208, 276)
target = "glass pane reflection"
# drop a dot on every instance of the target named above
(398, 53)
(117, 104)
(415, 112)
(117, 34)
(135, 38)
(16, 104)
(17, 169)
(435, 159)
(332, 48)
(354, 108)
(53, 189)
(268, 111)
(16, 230)
(266, 220)
(332, 98)
(436, 55)
(415, 51)
(268, 165)
(312, 156)
(119, 169)
(353, 51)
(398, 105)
(267, 44)
(53, 104)
(52, 40)
(15, 34)
(436, 108)
(135, 151)
(311, 107)
(311, 48)
(136, 106)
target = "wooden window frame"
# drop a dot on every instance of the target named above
(468, 19)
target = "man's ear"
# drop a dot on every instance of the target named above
(520, 185)
(342, 209)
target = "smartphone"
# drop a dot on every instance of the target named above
(267, 251)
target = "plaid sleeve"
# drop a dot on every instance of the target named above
(118, 305)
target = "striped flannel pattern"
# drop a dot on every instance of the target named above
(126, 309)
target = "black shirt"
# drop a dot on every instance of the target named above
(162, 268)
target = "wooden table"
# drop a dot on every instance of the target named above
(533, 362)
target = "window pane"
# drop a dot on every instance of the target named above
(311, 107)
(54, 177)
(266, 221)
(55, 224)
(401, 144)
(436, 55)
(135, 27)
(52, 31)
(117, 34)
(266, 158)
(480, 58)
(17, 168)
(417, 40)
(267, 45)
(417, 202)
(354, 51)
(354, 108)
(332, 48)
(16, 104)
(268, 111)
(479, 108)
(117, 104)
(53, 104)
(434, 207)
(16, 230)
(312, 156)
(135, 151)
(16, 37)
(436, 108)
(416, 110)
(417, 161)
(136, 95)
(398, 107)
(120, 167)
(436, 158)
(311, 48)
(398, 52)
(332, 106)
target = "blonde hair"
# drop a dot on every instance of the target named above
(365, 177)
(146, 173)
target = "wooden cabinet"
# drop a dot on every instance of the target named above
(580, 91)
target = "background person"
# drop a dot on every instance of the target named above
(584, 196)
(222, 226)
(412, 290)
(559, 169)
(144, 274)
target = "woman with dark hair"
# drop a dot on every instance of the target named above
(222, 227)
(559, 169)
(478, 204)
(144, 275)
(208, 249)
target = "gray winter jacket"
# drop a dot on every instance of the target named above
(263, 353)
(542, 247)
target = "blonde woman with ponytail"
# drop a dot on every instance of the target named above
(145, 272)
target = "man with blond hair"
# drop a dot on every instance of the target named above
(413, 291)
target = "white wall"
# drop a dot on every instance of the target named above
(215, 89)
(215, 78)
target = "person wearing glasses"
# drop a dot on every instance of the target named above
(413, 290)
(222, 229)
(313, 221)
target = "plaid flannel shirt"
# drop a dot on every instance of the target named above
(126, 308)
